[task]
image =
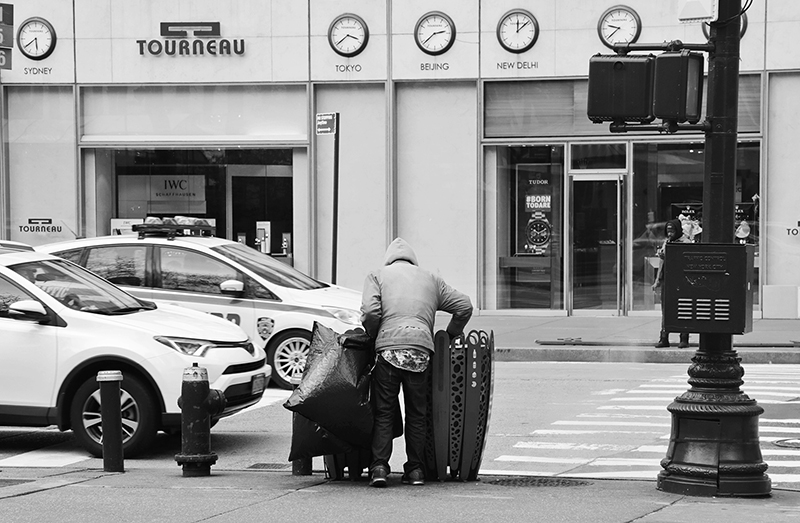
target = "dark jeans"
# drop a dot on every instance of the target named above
(386, 381)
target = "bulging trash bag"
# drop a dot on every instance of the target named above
(334, 390)
(309, 440)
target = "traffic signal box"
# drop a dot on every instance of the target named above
(639, 88)
(621, 88)
(707, 288)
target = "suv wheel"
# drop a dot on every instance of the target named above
(139, 415)
(287, 355)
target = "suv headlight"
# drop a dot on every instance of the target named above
(346, 315)
(186, 346)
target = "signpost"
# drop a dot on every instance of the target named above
(328, 123)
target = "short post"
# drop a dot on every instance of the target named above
(300, 466)
(111, 418)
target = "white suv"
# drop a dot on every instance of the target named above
(60, 325)
(274, 303)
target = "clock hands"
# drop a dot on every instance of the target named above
(348, 35)
(34, 41)
(522, 26)
(432, 35)
(616, 28)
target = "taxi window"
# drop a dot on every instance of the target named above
(119, 264)
(191, 271)
(73, 255)
(10, 293)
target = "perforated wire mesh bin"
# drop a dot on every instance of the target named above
(708, 288)
(460, 405)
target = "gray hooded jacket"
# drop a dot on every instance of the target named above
(400, 300)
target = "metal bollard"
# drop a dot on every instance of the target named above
(111, 419)
(301, 466)
(198, 403)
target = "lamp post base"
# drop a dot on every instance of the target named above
(714, 448)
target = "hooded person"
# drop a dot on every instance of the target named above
(675, 234)
(398, 310)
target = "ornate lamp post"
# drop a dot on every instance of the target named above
(714, 447)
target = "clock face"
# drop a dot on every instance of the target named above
(538, 232)
(435, 33)
(517, 31)
(619, 25)
(36, 38)
(348, 34)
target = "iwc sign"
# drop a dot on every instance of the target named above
(191, 39)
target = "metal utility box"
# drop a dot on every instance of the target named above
(708, 288)
(621, 88)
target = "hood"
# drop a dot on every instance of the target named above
(173, 320)
(678, 227)
(399, 249)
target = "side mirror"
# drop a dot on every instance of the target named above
(232, 287)
(29, 310)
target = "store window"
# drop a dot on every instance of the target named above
(248, 193)
(525, 265)
(668, 184)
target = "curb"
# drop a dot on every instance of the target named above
(618, 354)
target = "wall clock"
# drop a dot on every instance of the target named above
(619, 25)
(36, 38)
(348, 34)
(517, 31)
(435, 33)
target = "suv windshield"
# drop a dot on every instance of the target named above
(268, 268)
(78, 288)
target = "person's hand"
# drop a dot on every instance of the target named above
(656, 285)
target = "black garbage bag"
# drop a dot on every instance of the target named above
(310, 440)
(335, 389)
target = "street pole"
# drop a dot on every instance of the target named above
(714, 448)
(335, 224)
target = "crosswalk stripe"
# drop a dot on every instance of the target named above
(613, 423)
(53, 456)
(566, 432)
(535, 459)
(544, 445)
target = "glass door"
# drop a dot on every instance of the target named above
(595, 252)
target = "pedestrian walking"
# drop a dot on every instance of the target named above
(674, 232)
(398, 310)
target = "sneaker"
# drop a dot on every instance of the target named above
(378, 477)
(662, 344)
(415, 477)
(683, 345)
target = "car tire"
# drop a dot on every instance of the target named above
(139, 416)
(287, 354)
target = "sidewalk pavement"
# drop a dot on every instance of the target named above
(147, 495)
(622, 338)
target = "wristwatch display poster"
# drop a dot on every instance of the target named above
(534, 239)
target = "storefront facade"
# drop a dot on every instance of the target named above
(480, 156)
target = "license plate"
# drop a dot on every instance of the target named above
(258, 383)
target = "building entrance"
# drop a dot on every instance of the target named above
(596, 247)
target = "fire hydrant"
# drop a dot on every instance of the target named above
(198, 404)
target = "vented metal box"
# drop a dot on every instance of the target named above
(708, 288)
